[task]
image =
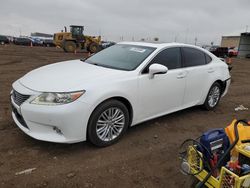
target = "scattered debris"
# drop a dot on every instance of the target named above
(10, 152)
(88, 185)
(240, 108)
(155, 136)
(43, 184)
(111, 171)
(27, 171)
(70, 175)
(55, 158)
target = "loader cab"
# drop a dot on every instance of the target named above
(77, 32)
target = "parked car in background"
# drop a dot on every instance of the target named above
(207, 47)
(37, 42)
(232, 52)
(48, 43)
(23, 41)
(219, 51)
(98, 98)
(106, 44)
(4, 40)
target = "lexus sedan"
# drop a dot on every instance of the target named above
(98, 98)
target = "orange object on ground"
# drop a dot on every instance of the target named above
(244, 134)
(229, 60)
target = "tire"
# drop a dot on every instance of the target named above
(69, 46)
(110, 131)
(93, 47)
(213, 96)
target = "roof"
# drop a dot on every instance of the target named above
(157, 45)
(37, 34)
(245, 34)
(231, 36)
(76, 26)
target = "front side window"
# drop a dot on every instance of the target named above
(170, 57)
(193, 57)
(121, 56)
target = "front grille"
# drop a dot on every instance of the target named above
(19, 98)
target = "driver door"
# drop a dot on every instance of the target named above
(163, 93)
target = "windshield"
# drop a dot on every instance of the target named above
(121, 56)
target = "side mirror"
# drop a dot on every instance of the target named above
(157, 69)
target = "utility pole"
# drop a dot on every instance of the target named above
(246, 28)
(175, 38)
(20, 32)
(195, 41)
(186, 36)
(100, 32)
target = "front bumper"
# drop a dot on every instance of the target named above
(227, 82)
(61, 123)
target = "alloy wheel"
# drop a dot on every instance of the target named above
(110, 124)
(214, 96)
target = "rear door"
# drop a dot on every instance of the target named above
(198, 69)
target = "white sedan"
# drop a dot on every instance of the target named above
(98, 98)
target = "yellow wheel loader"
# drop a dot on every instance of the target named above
(75, 39)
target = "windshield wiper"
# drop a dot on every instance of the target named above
(92, 63)
(83, 59)
(103, 65)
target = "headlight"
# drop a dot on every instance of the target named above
(57, 98)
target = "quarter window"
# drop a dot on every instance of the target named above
(193, 57)
(208, 58)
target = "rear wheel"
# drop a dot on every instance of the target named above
(213, 96)
(108, 123)
(69, 46)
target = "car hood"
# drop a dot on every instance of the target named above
(66, 76)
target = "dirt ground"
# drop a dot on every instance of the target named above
(147, 156)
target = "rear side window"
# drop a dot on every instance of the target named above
(193, 57)
(171, 58)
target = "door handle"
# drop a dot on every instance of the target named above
(181, 75)
(210, 70)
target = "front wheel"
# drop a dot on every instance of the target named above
(93, 48)
(69, 46)
(108, 123)
(213, 96)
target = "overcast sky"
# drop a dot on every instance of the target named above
(169, 20)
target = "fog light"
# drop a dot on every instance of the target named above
(58, 131)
